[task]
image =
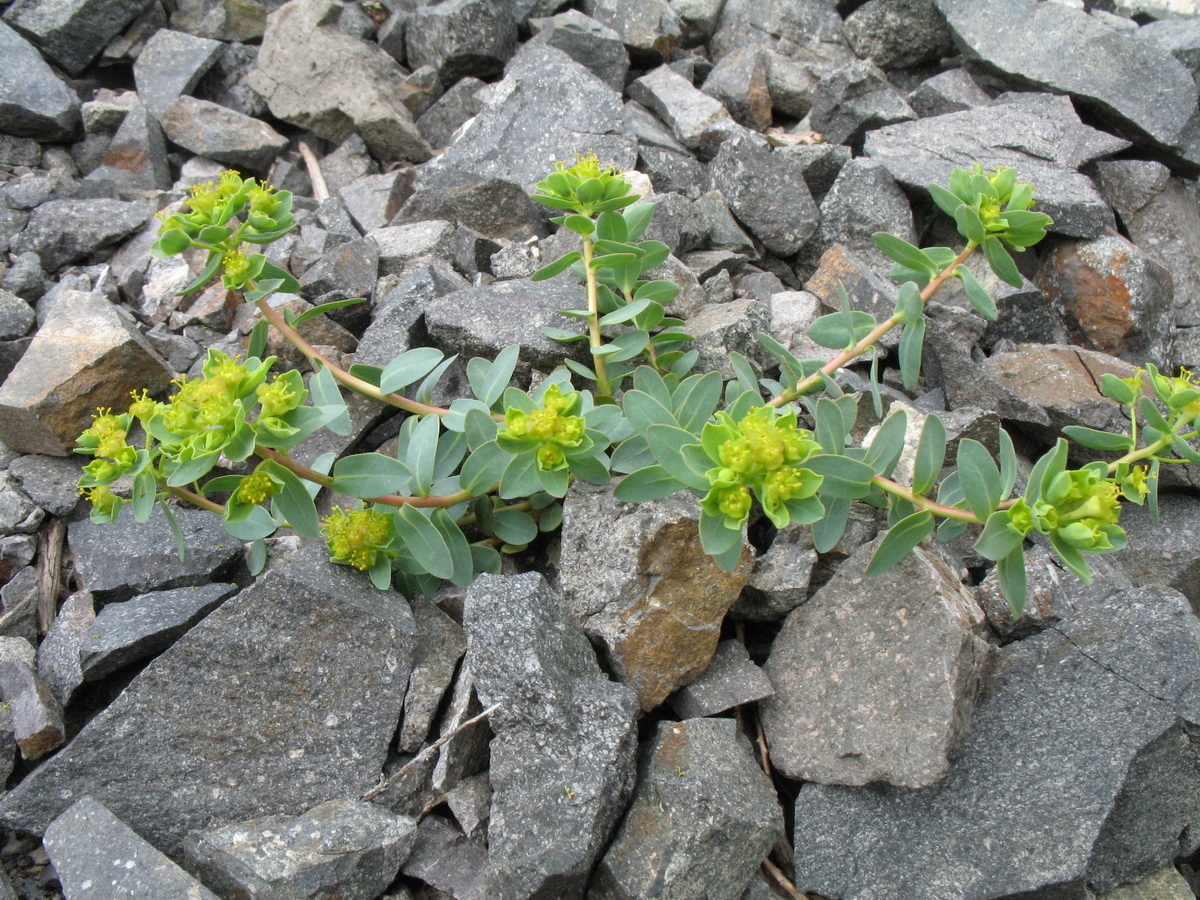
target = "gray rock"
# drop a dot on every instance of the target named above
(471, 802)
(950, 365)
(73, 33)
(226, 80)
(349, 161)
(85, 355)
(342, 848)
(283, 698)
(767, 192)
(947, 92)
(19, 151)
(786, 24)
(863, 200)
(496, 208)
(19, 597)
(346, 272)
(373, 200)
(648, 129)
(221, 21)
(649, 28)
(868, 290)
(563, 756)
(819, 163)
(741, 83)
(36, 716)
(453, 864)
(59, 654)
(1180, 36)
(854, 99)
(17, 512)
(671, 172)
(25, 277)
(779, 578)
(1051, 143)
(440, 646)
(703, 818)
(719, 329)
(222, 134)
(400, 244)
(171, 65)
(482, 321)
(34, 102)
(1046, 603)
(697, 19)
(359, 89)
(875, 680)
(462, 37)
(591, 44)
(698, 121)
(898, 35)
(16, 316)
(546, 108)
(448, 113)
(61, 232)
(96, 856)
(125, 632)
(123, 558)
(724, 231)
(730, 680)
(1158, 555)
(1024, 315)
(1165, 884)
(637, 578)
(677, 223)
(1009, 37)
(135, 160)
(1106, 704)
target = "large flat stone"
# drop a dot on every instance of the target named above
(34, 102)
(285, 697)
(73, 32)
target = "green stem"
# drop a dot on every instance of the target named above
(195, 499)
(852, 353)
(595, 340)
(924, 503)
(353, 382)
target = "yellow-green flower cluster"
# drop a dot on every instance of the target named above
(586, 188)
(106, 440)
(551, 428)
(209, 204)
(1079, 507)
(358, 538)
(760, 456)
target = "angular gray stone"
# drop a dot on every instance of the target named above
(649, 28)
(16, 316)
(34, 102)
(123, 558)
(562, 761)
(343, 848)
(698, 121)
(348, 271)
(767, 192)
(471, 801)
(677, 223)
(373, 200)
(225, 135)
(399, 245)
(785, 24)
(18, 513)
(740, 82)
(495, 208)
(37, 720)
(125, 632)
(669, 171)
(1180, 36)
(86, 354)
(730, 680)
(67, 231)
(779, 578)
(947, 92)
(1059, 782)
(1038, 134)
(462, 37)
(72, 33)
(19, 598)
(59, 654)
(547, 108)
(318, 77)
(1163, 555)
(460, 103)
(875, 679)
(440, 646)
(482, 321)
(285, 697)
(703, 818)
(853, 99)
(719, 329)
(949, 365)
(96, 856)
(863, 200)
(868, 289)
(1012, 37)
(19, 151)
(453, 864)
(1046, 603)
(135, 161)
(589, 43)
(171, 65)
(898, 35)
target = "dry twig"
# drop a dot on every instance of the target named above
(49, 575)
(320, 190)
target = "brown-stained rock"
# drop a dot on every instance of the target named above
(85, 356)
(639, 579)
(36, 716)
(1113, 297)
(868, 289)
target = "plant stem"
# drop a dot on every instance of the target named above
(303, 471)
(195, 499)
(353, 382)
(924, 503)
(594, 338)
(851, 353)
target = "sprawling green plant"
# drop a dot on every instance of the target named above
(488, 473)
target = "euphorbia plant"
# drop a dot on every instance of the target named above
(488, 472)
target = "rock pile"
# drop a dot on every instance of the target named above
(613, 717)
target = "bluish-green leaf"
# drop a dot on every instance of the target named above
(831, 331)
(694, 401)
(899, 542)
(1104, 441)
(980, 299)
(514, 527)
(665, 443)
(561, 264)
(901, 251)
(258, 524)
(484, 468)
(888, 444)
(647, 484)
(420, 452)
(424, 542)
(1008, 464)
(456, 543)
(325, 393)
(1010, 571)
(643, 410)
(845, 478)
(909, 305)
(969, 224)
(931, 454)
(145, 490)
(369, 475)
(580, 224)
(409, 367)
(828, 530)
(1000, 261)
(979, 477)
(998, 539)
(520, 477)
(294, 501)
(637, 220)
(912, 340)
